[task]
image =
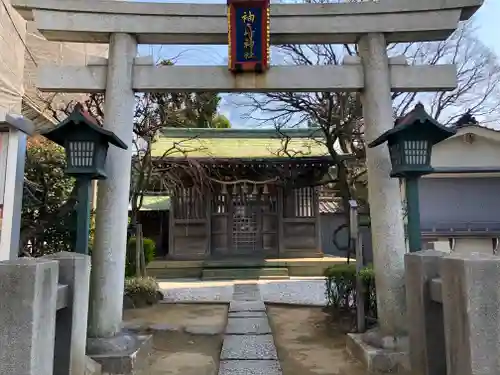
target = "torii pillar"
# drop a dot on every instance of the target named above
(110, 242)
(386, 212)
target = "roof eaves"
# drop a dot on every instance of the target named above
(187, 133)
(479, 126)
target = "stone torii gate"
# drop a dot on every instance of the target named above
(124, 25)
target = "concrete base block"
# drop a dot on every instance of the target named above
(377, 360)
(92, 367)
(124, 354)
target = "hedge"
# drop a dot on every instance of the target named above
(341, 290)
(140, 292)
(149, 254)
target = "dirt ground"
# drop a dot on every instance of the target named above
(306, 341)
(308, 345)
(175, 351)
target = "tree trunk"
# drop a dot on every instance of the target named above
(346, 195)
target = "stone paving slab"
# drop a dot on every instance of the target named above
(253, 296)
(247, 306)
(247, 314)
(246, 347)
(250, 367)
(247, 287)
(248, 326)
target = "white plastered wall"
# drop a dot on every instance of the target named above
(44, 52)
(12, 35)
(23, 49)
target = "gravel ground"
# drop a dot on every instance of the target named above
(296, 291)
(196, 291)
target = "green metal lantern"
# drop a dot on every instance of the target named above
(410, 142)
(86, 145)
(85, 142)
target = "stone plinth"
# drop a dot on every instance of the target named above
(28, 295)
(378, 354)
(124, 354)
(471, 307)
(426, 333)
(71, 327)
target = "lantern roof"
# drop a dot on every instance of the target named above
(80, 117)
(418, 117)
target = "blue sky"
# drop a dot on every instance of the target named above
(486, 21)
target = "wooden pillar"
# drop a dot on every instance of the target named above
(281, 211)
(160, 235)
(171, 224)
(208, 217)
(229, 223)
(317, 216)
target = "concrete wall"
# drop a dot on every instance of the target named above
(329, 223)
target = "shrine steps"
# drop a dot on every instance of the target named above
(245, 273)
(259, 268)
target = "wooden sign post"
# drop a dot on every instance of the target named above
(13, 131)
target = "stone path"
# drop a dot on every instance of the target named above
(248, 347)
(296, 291)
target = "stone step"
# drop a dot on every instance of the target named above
(250, 367)
(244, 273)
(243, 263)
(248, 347)
(248, 326)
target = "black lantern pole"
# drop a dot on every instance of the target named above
(410, 147)
(86, 145)
(413, 213)
(84, 188)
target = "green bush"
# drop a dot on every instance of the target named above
(48, 221)
(149, 254)
(141, 291)
(341, 290)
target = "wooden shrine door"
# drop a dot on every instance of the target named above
(244, 224)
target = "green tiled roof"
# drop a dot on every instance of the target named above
(239, 143)
(155, 203)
